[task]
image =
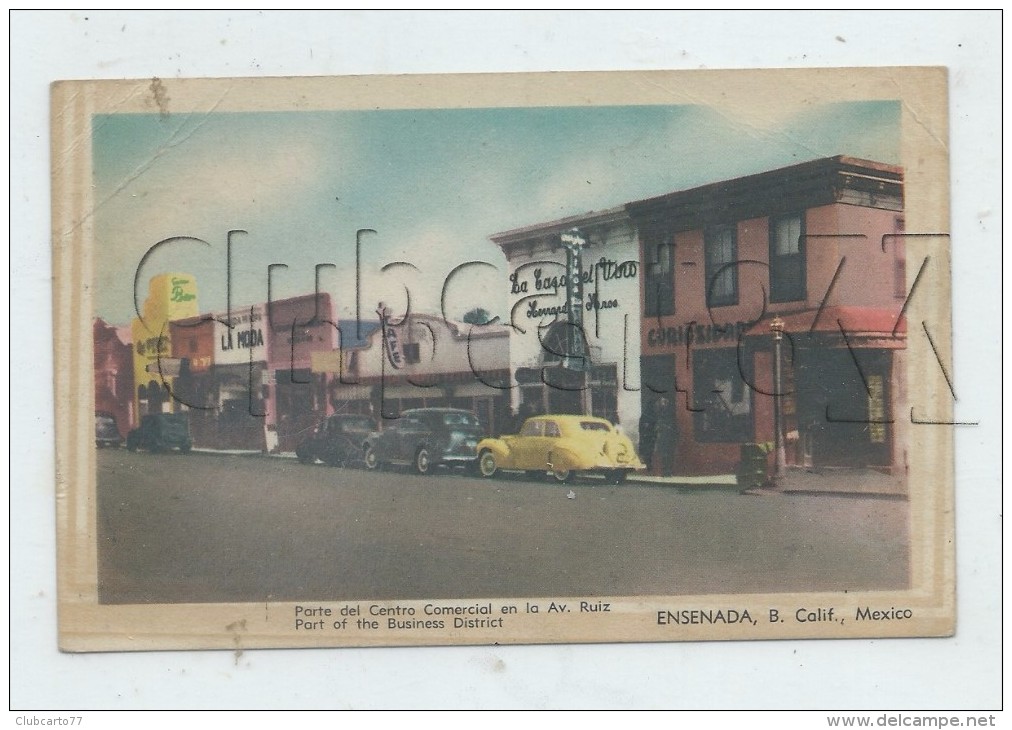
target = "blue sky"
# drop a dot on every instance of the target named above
(434, 184)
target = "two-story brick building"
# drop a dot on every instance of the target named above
(815, 245)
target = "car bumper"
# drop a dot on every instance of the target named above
(457, 458)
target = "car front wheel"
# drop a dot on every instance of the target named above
(423, 464)
(487, 465)
(562, 475)
(370, 459)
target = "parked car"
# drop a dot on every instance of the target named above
(337, 440)
(161, 432)
(425, 438)
(106, 431)
(562, 446)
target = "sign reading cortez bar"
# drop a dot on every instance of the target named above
(672, 359)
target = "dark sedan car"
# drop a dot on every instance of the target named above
(425, 438)
(161, 432)
(106, 431)
(337, 440)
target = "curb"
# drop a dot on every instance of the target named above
(716, 481)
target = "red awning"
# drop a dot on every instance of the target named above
(860, 321)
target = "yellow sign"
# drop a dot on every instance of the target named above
(170, 297)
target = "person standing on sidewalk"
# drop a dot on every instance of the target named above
(666, 437)
(647, 434)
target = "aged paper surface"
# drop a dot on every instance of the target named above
(267, 289)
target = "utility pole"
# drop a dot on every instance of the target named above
(780, 455)
(575, 358)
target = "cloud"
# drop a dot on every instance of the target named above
(434, 185)
(579, 186)
(223, 176)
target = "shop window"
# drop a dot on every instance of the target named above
(724, 400)
(899, 260)
(721, 245)
(531, 400)
(412, 353)
(787, 258)
(604, 392)
(659, 282)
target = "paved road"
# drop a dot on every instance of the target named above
(203, 528)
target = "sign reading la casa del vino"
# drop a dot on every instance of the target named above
(553, 285)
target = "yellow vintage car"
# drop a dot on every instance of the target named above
(561, 446)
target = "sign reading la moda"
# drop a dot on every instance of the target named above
(241, 340)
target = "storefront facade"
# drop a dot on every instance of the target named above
(295, 397)
(223, 373)
(573, 343)
(114, 374)
(170, 297)
(422, 361)
(816, 247)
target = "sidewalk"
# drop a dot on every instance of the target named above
(856, 480)
(716, 480)
(840, 481)
(229, 452)
(245, 452)
(852, 481)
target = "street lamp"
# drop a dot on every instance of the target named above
(780, 456)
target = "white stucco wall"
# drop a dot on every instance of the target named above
(613, 274)
(443, 348)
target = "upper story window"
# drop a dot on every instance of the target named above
(787, 258)
(899, 260)
(412, 353)
(659, 282)
(721, 244)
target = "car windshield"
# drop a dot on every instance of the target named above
(594, 426)
(460, 419)
(356, 424)
(106, 426)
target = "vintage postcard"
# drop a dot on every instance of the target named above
(478, 359)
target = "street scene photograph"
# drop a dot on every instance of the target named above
(609, 350)
(478, 360)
